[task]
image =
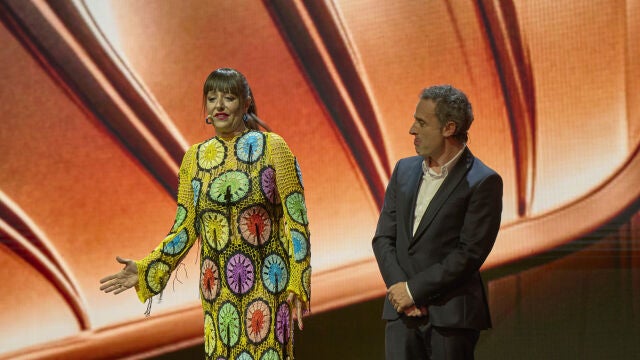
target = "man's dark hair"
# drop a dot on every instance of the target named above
(451, 105)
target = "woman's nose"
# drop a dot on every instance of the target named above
(219, 103)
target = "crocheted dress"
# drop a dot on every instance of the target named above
(244, 199)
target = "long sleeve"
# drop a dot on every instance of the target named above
(384, 241)
(155, 269)
(295, 223)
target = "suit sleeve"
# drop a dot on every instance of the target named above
(477, 236)
(384, 240)
(156, 268)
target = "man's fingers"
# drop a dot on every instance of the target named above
(414, 311)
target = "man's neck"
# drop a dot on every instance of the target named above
(451, 149)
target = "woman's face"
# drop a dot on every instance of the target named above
(227, 110)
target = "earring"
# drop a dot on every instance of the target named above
(245, 117)
(208, 120)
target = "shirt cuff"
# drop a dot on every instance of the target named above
(406, 285)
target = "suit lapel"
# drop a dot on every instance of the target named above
(446, 189)
(413, 184)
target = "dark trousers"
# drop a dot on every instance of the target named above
(416, 339)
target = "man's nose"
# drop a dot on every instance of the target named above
(412, 129)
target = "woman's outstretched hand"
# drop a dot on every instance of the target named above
(122, 280)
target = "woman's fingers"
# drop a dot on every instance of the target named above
(107, 278)
(120, 289)
(109, 287)
(122, 260)
(122, 280)
(117, 284)
(299, 312)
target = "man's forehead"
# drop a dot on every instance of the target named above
(426, 107)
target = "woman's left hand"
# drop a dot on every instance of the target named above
(298, 308)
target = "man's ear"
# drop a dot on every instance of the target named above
(449, 129)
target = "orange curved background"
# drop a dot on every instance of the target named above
(101, 98)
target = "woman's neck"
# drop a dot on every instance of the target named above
(232, 134)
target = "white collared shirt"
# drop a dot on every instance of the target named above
(431, 182)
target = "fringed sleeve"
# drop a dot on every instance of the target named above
(296, 230)
(155, 269)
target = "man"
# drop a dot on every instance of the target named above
(439, 221)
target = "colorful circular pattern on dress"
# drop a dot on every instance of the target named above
(297, 208)
(306, 281)
(214, 228)
(283, 323)
(181, 214)
(196, 185)
(298, 172)
(240, 274)
(157, 275)
(209, 334)
(230, 187)
(283, 238)
(300, 245)
(211, 154)
(177, 244)
(254, 225)
(244, 356)
(229, 324)
(274, 273)
(250, 147)
(268, 185)
(258, 321)
(270, 354)
(209, 279)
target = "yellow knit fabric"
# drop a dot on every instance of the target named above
(244, 199)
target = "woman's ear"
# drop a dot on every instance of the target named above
(247, 103)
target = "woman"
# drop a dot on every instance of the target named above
(241, 193)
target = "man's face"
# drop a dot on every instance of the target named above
(427, 131)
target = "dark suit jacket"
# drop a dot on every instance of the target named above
(441, 261)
